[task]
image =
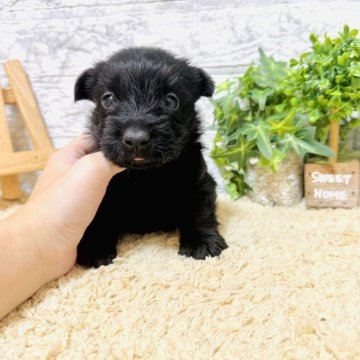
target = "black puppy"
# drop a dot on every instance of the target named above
(145, 120)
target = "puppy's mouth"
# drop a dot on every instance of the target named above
(140, 162)
(133, 160)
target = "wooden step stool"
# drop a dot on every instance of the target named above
(13, 163)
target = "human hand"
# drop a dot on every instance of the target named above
(64, 202)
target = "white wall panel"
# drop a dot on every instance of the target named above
(57, 39)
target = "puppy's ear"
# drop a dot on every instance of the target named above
(84, 85)
(205, 83)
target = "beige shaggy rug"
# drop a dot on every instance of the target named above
(288, 287)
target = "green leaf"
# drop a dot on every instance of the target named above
(314, 116)
(324, 84)
(354, 53)
(289, 90)
(338, 78)
(235, 135)
(228, 153)
(327, 41)
(236, 154)
(293, 62)
(322, 100)
(224, 86)
(269, 72)
(282, 123)
(355, 70)
(259, 132)
(308, 133)
(335, 101)
(235, 184)
(336, 93)
(286, 143)
(313, 38)
(321, 149)
(346, 110)
(334, 115)
(342, 59)
(302, 147)
(260, 96)
(354, 32)
(355, 96)
(354, 123)
(275, 161)
(250, 130)
(264, 145)
(303, 56)
(299, 121)
(232, 190)
(355, 83)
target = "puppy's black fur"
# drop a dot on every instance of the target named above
(145, 120)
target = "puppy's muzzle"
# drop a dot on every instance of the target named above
(136, 140)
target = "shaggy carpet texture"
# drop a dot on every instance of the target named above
(288, 287)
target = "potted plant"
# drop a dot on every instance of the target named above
(325, 84)
(325, 87)
(261, 140)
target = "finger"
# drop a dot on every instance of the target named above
(62, 160)
(75, 149)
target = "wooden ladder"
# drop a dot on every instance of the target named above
(12, 163)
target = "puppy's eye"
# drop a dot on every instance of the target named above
(171, 101)
(108, 100)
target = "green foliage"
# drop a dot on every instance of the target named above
(275, 108)
(254, 117)
(327, 83)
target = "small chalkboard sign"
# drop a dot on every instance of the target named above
(332, 185)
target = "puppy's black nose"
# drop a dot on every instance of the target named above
(136, 139)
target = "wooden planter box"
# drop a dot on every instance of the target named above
(332, 185)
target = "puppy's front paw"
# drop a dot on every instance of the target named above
(203, 245)
(91, 259)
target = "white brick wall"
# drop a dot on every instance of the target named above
(57, 39)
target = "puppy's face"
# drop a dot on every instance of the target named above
(144, 105)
